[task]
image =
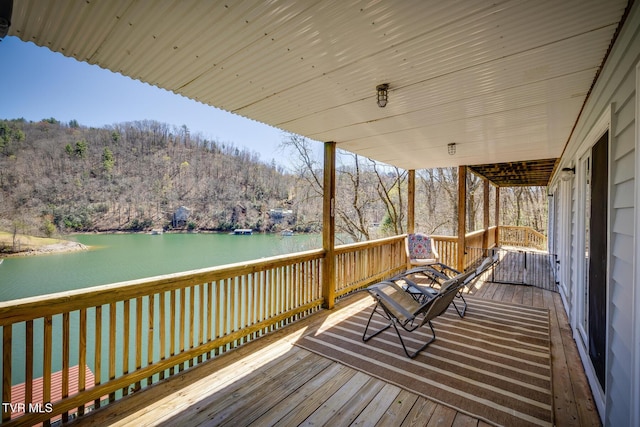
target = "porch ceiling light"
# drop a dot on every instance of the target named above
(382, 94)
(567, 173)
(451, 148)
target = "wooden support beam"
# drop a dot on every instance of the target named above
(462, 215)
(329, 225)
(497, 214)
(411, 202)
(485, 214)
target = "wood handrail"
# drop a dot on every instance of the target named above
(60, 302)
(349, 247)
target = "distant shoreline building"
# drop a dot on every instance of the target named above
(180, 217)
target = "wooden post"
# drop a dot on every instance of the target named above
(497, 214)
(462, 215)
(329, 225)
(485, 214)
(411, 202)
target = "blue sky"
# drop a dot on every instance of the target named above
(36, 83)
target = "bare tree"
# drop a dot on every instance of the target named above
(390, 188)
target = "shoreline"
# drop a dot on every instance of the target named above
(32, 245)
(36, 246)
(55, 248)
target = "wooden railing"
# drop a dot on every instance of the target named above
(475, 250)
(474, 241)
(135, 333)
(447, 248)
(360, 264)
(522, 236)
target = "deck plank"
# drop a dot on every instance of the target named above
(499, 294)
(420, 413)
(376, 408)
(583, 398)
(222, 403)
(399, 409)
(565, 411)
(328, 380)
(527, 296)
(298, 414)
(464, 420)
(538, 297)
(275, 390)
(361, 383)
(443, 416)
(518, 294)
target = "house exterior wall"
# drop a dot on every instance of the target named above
(564, 236)
(613, 106)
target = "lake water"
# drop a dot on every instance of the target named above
(120, 257)
(116, 258)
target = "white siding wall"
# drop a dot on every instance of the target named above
(635, 362)
(567, 237)
(616, 89)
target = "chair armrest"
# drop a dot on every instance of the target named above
(424, 291)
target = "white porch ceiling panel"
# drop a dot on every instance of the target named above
(504, 80)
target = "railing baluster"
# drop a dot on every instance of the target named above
(181, 337)
(249, 304)
(172, 328)
(163, 335)
(219, 310)
(28, 362)
(138, 341)
(210, 309)
(256, 301)
(66, 341)
(272, 286)
(126, 325)
(150, 334)
(46, 361)
(6, 369)
(242, 306)
(112, 347)
(224, 305)
(295, 287)
(82, 354)
(201, 317)
(98, 351)
(281, 293)
(192, 314)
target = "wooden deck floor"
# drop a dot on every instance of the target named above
(272, 382)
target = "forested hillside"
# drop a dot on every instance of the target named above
(57, 178)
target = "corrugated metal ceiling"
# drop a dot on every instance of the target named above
(504, 80)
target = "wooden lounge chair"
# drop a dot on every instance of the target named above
(400, 309)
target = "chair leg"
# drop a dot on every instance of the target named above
(388, 317)
(366, 338)
(415, 353)
(464, 306)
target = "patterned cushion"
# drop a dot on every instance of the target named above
(420, 246)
